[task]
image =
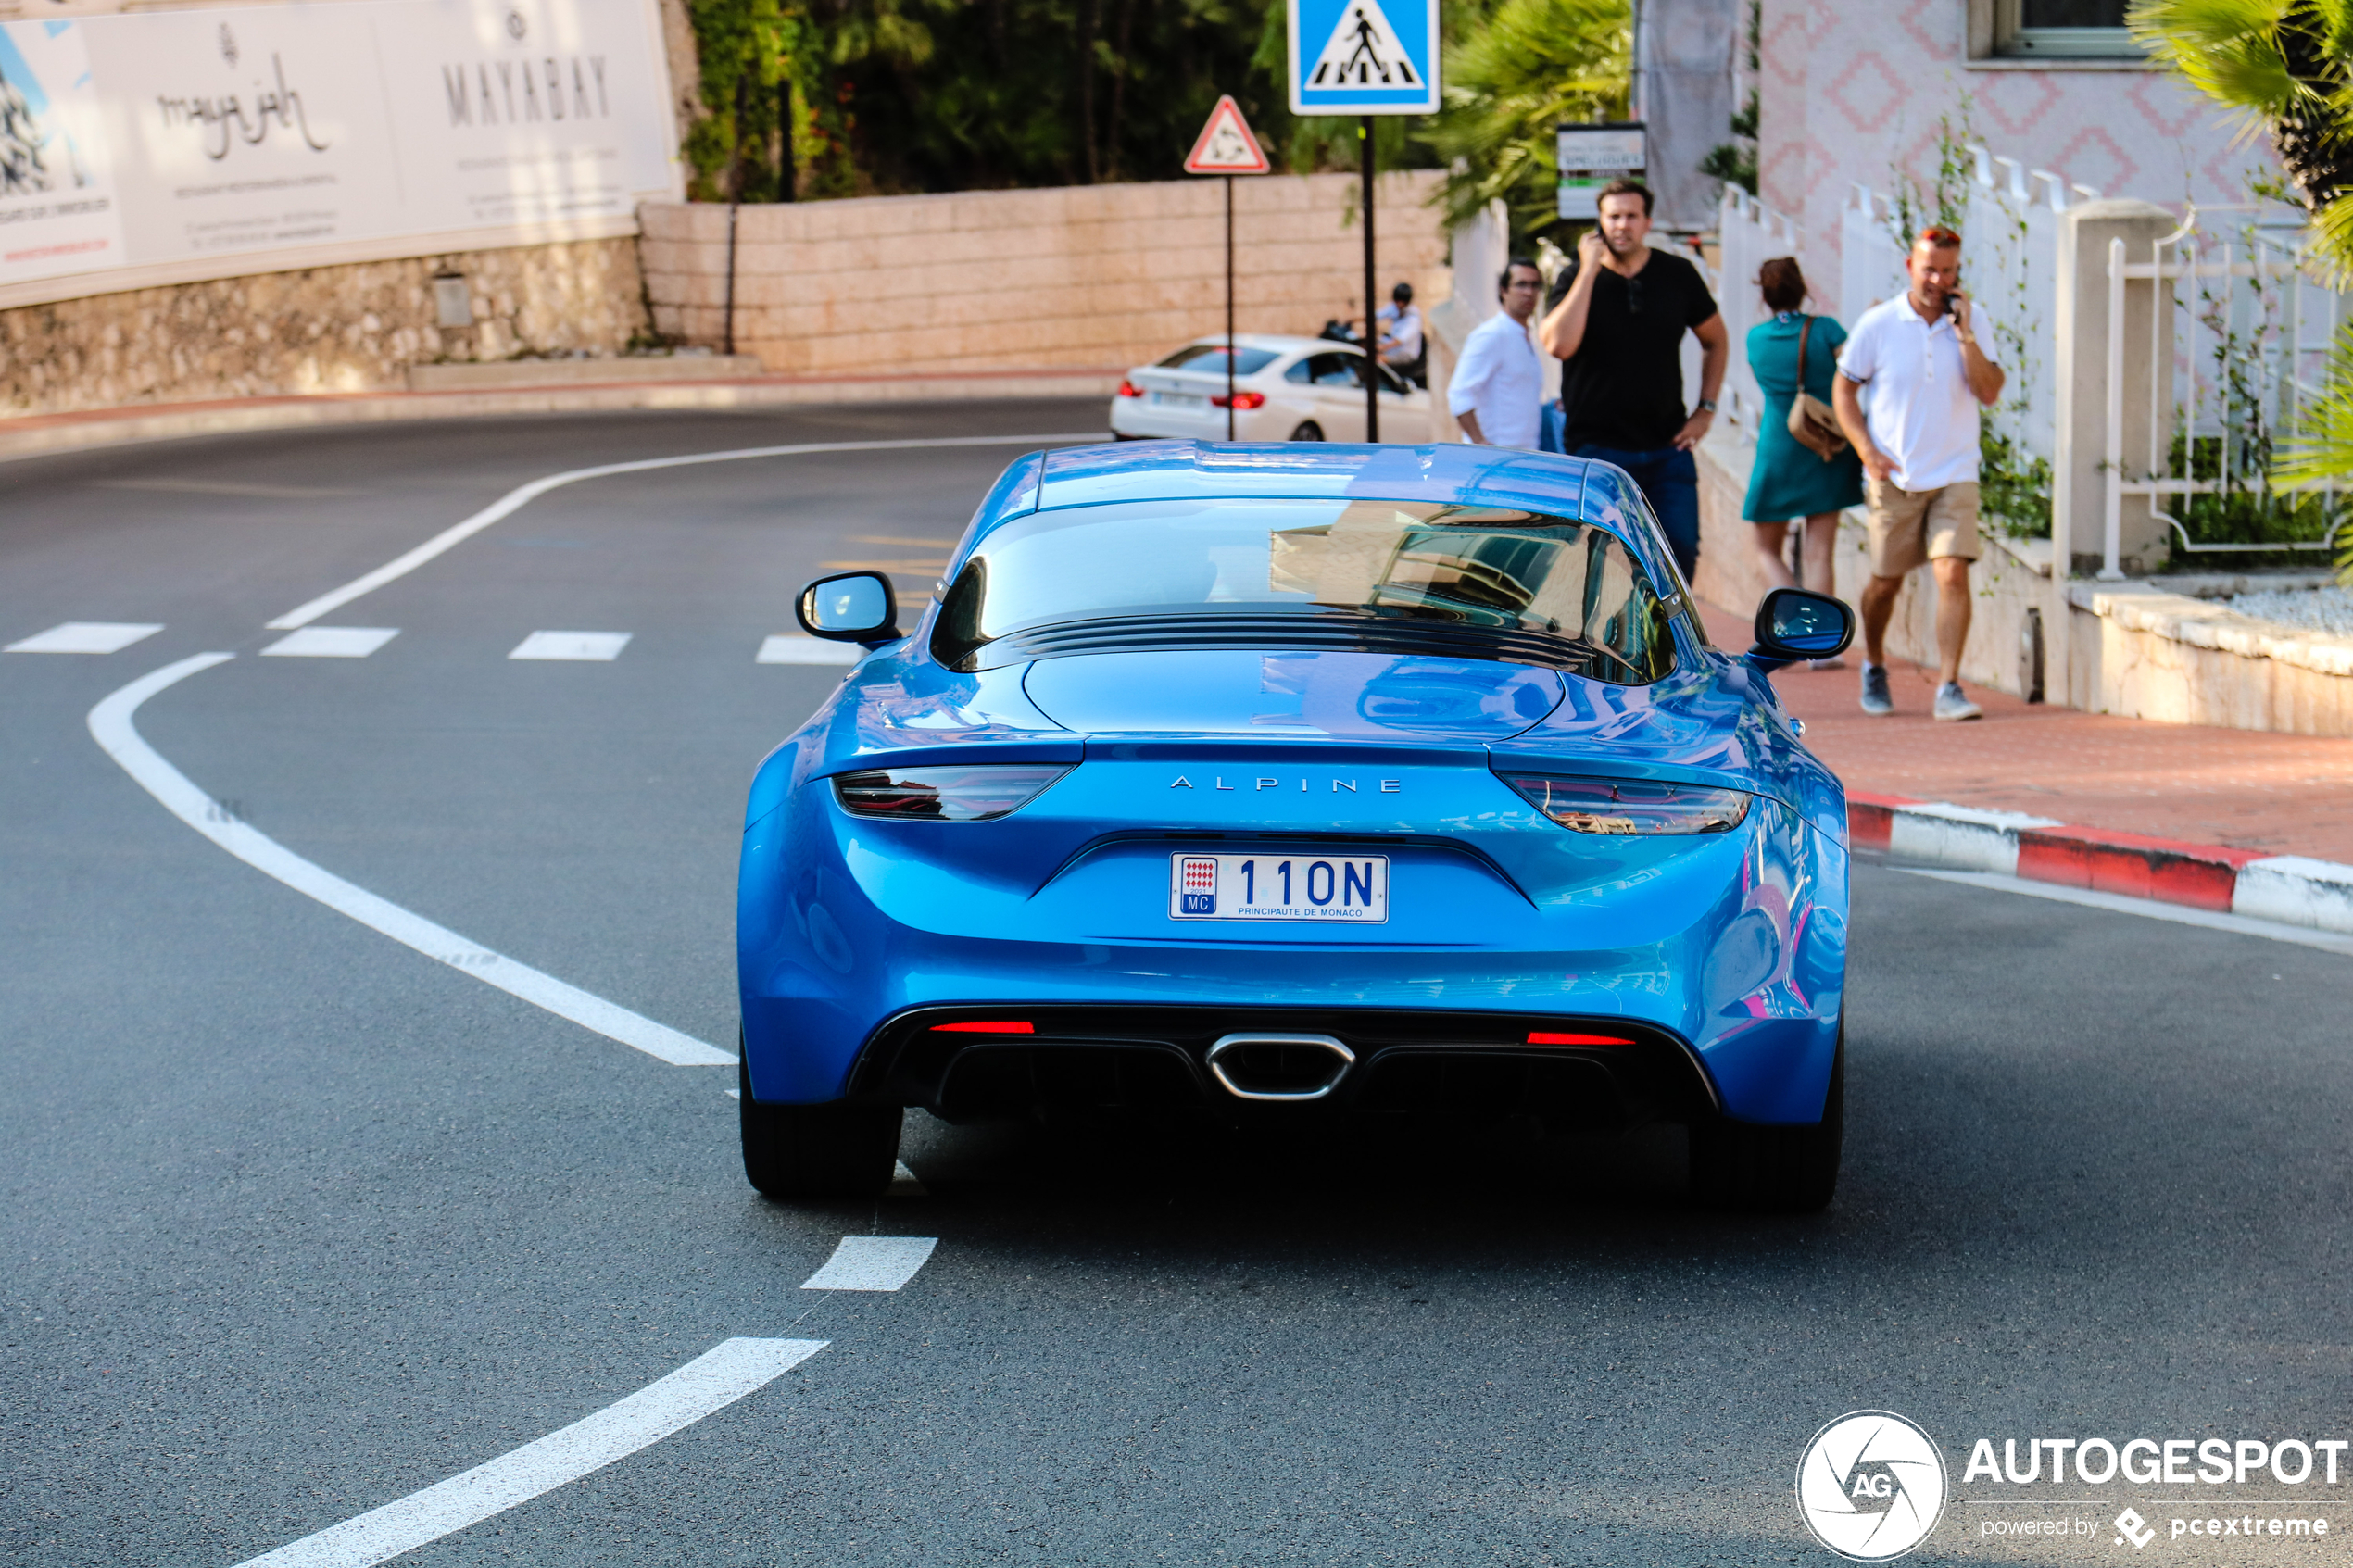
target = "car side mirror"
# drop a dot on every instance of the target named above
(854, 607)
(1794, 624)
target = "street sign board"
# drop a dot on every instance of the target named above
(1363, 57)
(1225, 146)
(1590, 157)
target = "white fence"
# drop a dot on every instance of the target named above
(2245, 324)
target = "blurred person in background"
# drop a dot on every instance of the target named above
(1619, 313)
(1399, 324)
(1499, 386)
(1923, 355)
(1789, 478)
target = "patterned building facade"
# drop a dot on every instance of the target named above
(1852, 91)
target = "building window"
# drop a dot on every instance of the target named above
(2072, 28)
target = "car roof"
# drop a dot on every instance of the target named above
(1275, 341)
(1590, 491)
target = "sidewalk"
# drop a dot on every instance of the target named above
(2267, 795)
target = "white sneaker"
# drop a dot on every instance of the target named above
(1953, 703)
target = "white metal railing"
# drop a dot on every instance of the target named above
(2240, 328)
(1748, 235)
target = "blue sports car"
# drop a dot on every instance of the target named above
(1506, 836)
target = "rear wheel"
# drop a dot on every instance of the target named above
(832, 1151)
(1311, 430)
(1774, 1169)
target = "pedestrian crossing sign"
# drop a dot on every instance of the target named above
(1363, 57)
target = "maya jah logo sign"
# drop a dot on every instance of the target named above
(225, 119)
(1225, 146)
(1871, 1486)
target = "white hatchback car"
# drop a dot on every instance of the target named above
(1284, 389)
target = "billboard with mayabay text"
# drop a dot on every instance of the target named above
(177, 144)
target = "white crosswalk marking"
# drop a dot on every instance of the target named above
(598, 646)
(808, 650)
(872, 1263)
(84, 636)
(331, 642)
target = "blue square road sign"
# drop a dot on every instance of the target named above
(1363, 57)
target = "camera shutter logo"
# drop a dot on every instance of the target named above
(1871, 1486)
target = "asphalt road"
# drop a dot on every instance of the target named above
(298, 1223)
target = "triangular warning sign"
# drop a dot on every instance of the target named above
(1364, 51)
(1225, 146)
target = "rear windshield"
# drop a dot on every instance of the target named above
(1210, 357)
(1397, 576)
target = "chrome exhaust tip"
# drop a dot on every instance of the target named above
(1279, 1067)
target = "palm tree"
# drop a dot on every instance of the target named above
(1515, 74)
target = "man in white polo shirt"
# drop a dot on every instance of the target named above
(1924, 354)
(1497, 393)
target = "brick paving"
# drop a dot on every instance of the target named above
(2278, 795)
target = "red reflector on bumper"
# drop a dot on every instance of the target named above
(1578, 1040)
(983, 1029)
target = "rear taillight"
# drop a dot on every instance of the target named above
(1643, 808)
(1244, 400)
(948, 795)
(1543, 1037)
(1127, 388)
(1002, 1026)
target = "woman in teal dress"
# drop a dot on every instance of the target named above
(1789, 480)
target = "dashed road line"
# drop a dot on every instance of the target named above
(807, 650)
(331, 642)
(522, 496)
(709, 1383)
(872, 1263)
(111, 725)
(85, 636)
(592, 647)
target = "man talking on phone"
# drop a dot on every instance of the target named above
(1924, 355)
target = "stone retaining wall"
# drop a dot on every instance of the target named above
(354, 327)
(1101, 276)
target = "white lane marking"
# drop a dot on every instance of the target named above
(84, 636)
(903, 1183)
(709, 1383)
(733, 1094)
(522, 496)
(589, 646)
(111, 726)
(2150, 908)
(807, 650)
(331, 642)
(872, 1263)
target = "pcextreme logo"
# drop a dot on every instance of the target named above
(1871, 1486)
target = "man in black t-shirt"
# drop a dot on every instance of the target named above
(1617, 319)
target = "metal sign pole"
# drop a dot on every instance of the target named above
(1372, 334)
(1230, 307)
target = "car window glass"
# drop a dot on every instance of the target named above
(1517, 574)
(1303, 372)
(1210, 358)
(1332, 370)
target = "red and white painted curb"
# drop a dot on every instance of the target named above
(2290, 889)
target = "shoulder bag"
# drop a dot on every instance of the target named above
(1812, 422)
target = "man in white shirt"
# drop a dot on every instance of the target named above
(1923, 355)
(1498, 391)
(1398, 329)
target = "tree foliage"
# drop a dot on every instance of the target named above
(1515, 72)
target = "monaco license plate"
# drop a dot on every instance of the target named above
(1179, 400)
(1304, 887)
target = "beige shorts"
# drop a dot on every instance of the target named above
(1911, 526)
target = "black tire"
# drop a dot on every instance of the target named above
(1310, 431)
(838, 1149)
(1774, 1169)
